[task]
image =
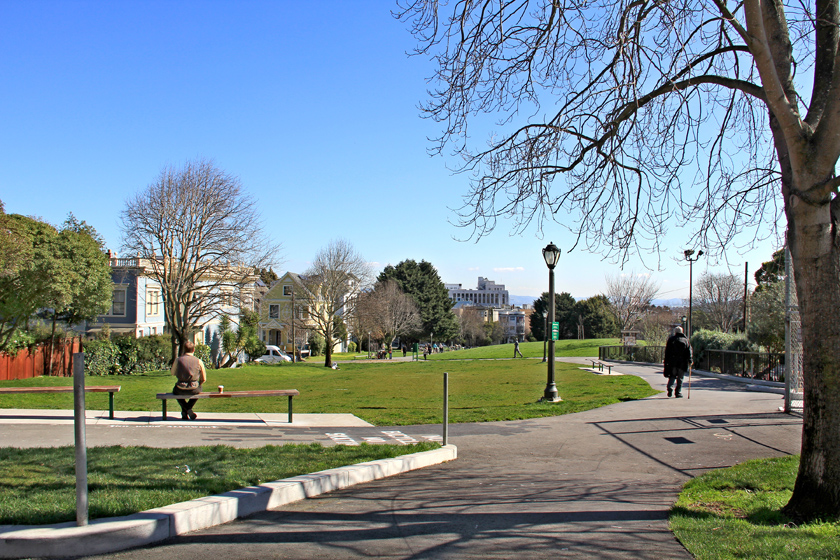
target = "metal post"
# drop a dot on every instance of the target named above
(294, 339)
(545, 334)
(690, 294)
(788, 333)
(445, 408)
(551, 394)
(81, 443)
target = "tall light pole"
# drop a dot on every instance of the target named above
(551, 254)
(545, 333)
(688, 253)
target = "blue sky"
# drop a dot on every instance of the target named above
(312, 105)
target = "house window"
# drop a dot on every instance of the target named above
(273, 311)
(118, 302)
(153, 302)
(287, 290)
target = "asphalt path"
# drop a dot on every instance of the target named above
(596, 484)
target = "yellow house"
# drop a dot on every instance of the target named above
(276, 314)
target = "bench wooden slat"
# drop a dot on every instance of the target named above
(231, 394)
(110, 389)
(103, 389)
(209, 395)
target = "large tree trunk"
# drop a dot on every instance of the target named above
(813, 242)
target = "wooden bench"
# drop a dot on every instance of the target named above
(110, 389)
(291, 393)
(601, 366)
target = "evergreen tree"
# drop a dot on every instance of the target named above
(564, 314)
(422, 282)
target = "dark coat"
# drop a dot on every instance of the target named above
(677, 353)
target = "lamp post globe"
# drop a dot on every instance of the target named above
(551, 254)
(688, 253)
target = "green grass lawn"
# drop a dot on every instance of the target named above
(39, 485)
(735, 513)
(528, 349)
(395, 393)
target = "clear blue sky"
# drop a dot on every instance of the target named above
(312, 104)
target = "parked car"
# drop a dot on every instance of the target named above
(272, 355)
(304, 352)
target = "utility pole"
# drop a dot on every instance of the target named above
(746, 293)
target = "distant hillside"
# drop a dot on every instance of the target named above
(673, 302)
(520, 300)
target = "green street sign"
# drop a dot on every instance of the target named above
(555, 330)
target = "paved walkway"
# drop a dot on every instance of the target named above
(597, 484)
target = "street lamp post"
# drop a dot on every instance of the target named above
(545, 334)
(551, 254)
(688, 254)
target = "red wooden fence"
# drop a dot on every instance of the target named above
(33, 363)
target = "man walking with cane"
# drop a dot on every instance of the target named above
(678, 358)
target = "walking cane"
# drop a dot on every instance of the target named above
(689, 381)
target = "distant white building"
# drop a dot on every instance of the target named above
(487, 294)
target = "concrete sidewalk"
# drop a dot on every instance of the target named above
(596, 484)
(129, 418)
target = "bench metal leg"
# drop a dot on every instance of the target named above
(290, 409)
(164, 408)
(111, 405)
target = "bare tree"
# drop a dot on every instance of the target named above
(719, 301)
(630, 295)
(471, 325)
(388, 312)
(623, 100)
(657, 324)
(329, 290)
(202, 237)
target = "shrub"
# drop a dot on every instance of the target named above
(124, 355)
(316, 344)
(703, 340)
(101, 358)
(351, 347)
(202, 352)
(20, 339)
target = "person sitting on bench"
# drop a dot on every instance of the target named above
(191, 376)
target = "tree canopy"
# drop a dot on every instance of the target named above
(329, 291)
(422, 282)
(202, 237)
(62, 273)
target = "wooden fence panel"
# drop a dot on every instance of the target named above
(33, 363)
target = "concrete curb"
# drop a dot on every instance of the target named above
(103, 536)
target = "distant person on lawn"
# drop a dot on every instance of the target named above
(516, 349)
(678, 358)
(191, 376)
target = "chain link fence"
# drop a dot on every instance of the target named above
(793, 341)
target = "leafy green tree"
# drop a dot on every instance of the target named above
(63, 273)
(243, 339)
(494, 332)
(771, 271)
(267, 275)
(422, 282)
(767, 316)
(564, 305)
(26, 272)
(598, 317)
